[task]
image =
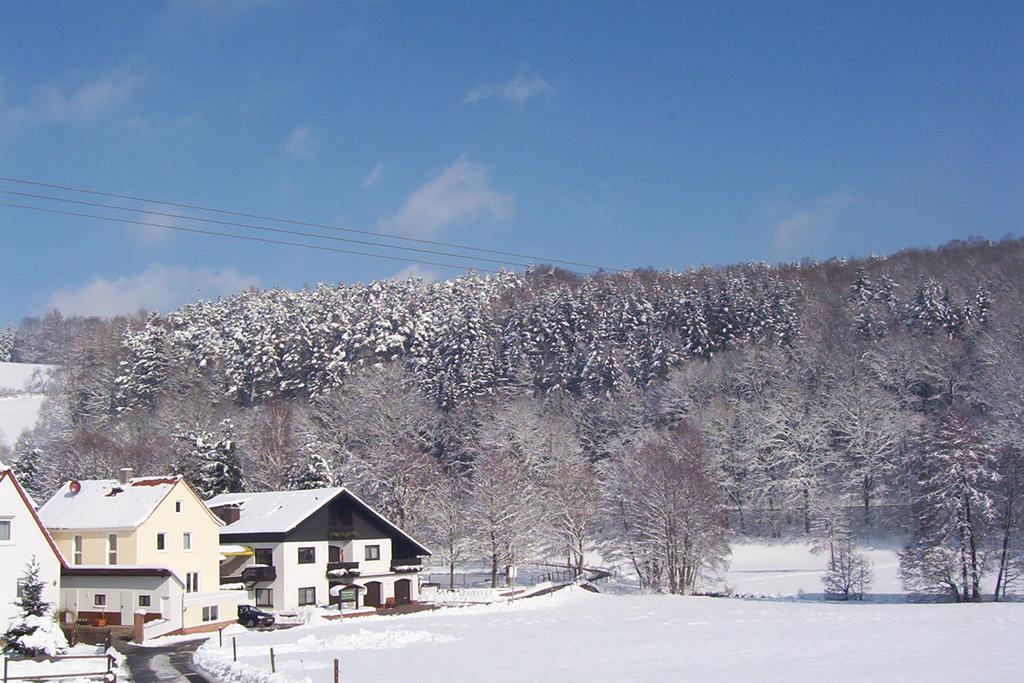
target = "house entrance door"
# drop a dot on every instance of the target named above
(372, 598)
(403, 591)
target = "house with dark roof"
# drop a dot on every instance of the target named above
(321, 546)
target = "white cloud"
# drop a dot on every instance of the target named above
(461, 192)
(301, 143)
(64, 103)
(516, 91)
(414, 270)
(800, 232)
(157, 288)
(375, 175)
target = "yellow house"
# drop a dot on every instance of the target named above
(143, 545)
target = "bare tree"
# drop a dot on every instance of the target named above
(667, 509)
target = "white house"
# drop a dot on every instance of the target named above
(23, 537)
(316, 547)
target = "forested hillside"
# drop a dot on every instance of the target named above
(651, 413)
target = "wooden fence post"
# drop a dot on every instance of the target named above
(336, 678)
(273, 667)
(220, 637)
(5, 668)
(234, 649)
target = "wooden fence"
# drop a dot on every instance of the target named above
(107, 674)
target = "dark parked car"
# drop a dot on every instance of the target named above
(250, 617)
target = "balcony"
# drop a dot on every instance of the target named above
(343, 567)
(257, 574)
(408, 564)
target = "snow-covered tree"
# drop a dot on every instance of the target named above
(31, 468)
(210, 461)
(667, 511)
(314, 473)
(33, 632)
(953, 509)
(7, 338)
(506, 506)
(448, 525)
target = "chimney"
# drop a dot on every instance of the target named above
(229, 513)
(124, 475)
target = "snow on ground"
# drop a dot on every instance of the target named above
(576, 636)
(71, 668)
(786, 568)
(20, 411)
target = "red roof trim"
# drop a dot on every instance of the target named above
(32, 511)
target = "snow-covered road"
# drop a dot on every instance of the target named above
(581, 637)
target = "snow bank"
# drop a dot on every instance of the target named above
(71, 668)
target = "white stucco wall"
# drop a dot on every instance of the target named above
(293, 575)
(27, 541)
(122, 596)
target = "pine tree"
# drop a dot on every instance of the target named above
(33, 633)
(7, 339)
(28, 467)
(210, 462)
(314, 473)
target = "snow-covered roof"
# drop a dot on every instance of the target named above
(106, 503)
(273, 511)
(282, 511)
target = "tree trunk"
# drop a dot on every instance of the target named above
(451, 575)
(494, 570)
(1004, 552)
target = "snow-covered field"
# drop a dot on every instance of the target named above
(574, 635)
(787, 568)
(20, 411)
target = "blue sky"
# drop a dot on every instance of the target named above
(628, 134)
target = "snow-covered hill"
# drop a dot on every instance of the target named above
(21, 397)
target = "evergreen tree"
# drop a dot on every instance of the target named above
(210, 461)
(33, 633)
(314, 473)
(7, 338)
(28, 467)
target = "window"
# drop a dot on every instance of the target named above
(144, 601)
(307, 596)
(99, 600)
(264, 597)
(77, 546)
(264, 556)
(373, 552)
(192, 582)
(112, 549)
(5, 529)
(21, 588)
(307, 555)
(177, 506)
(186, 540)
(211, 613)
(161, 541)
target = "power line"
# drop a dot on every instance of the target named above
(242, 214)
(249, 238)
(297, 233)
